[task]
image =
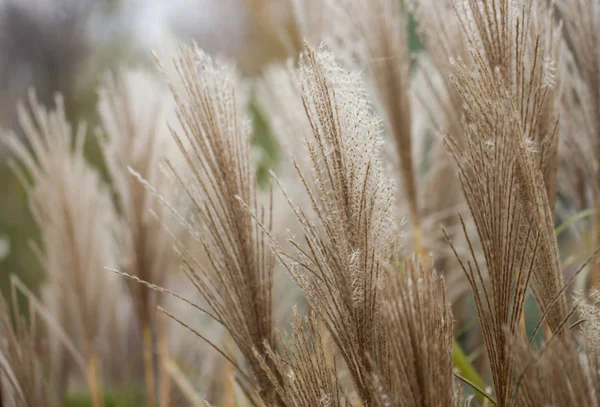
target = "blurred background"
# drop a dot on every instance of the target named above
(68, 46)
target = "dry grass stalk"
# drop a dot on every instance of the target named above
(545, 28)
(522, 41)
(578, 163)
(558, 374)
(488, 176)
(440, 32)
(417, 321)
(136, 139)
(340, 266)
(501, 183)
(303, 375)
(506, 98)
(22, 379)
(75, 214)
(237, 279)
(581, 22)
(376, 34)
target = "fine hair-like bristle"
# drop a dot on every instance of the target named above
(557, 374)
(351, 234)
(303, 376)
(417, 326)
(581, 20)
(475, 126)
(23, 382)
(505, 99)
(75, 214)
(137, 139)
(375, 34)
(234, 268)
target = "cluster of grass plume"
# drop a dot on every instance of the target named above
(380, 328)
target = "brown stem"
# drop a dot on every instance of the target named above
(93, 378)
(228, 378)
(148, 363)
(163, 357)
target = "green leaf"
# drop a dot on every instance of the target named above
(578, 216)
(469, 373)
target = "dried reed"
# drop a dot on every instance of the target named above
(340, 266)
(236, 274)
(303, 376)
(581, 20)
(417, 321)
(23, 382)
(505, 100)
(137, 139)
(74, 212)
(376, 34)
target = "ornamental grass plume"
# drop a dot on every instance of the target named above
(74, 212)
(505, 98)
(581, 20)
(23, 382)
(137, 139)
(522, 41)
(348, 241)
(234, 268)
(340, 267)
(303, 376)
(487, 173)
(375, 34)
(559, 373)
(417, 325)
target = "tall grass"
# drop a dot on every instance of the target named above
(502, 86)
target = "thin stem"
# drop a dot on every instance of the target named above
(148, 363)
(477, 388)
(228, 378)
(94, 379)
(574, 219)
(163, 355)
(577, 323)
(469, 374)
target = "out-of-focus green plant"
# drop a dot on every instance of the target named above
(130, 396)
